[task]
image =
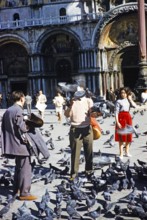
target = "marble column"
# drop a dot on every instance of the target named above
(80, 60)
(94, 58)
(142, 79)
(111, 81)
(100, 84)
(119, 80)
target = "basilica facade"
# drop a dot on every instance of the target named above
(44, 42)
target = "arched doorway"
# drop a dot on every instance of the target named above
(130, 69)
(14, 62)
(22, 86)
(63, 70)
(60, 60)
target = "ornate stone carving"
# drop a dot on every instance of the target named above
(116, 51)
(107, 18)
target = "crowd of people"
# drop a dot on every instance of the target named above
(18, 134)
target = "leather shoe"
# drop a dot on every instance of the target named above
(29, 197)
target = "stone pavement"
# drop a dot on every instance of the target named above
(138, 150)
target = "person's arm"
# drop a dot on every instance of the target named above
(117, 110)
(117, 121)
(67, 112)
(20, 122)
(133, 104)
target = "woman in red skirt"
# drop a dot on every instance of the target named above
(123, 120)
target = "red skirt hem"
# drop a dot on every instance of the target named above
(124, 119)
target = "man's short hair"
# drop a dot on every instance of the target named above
(17, 95)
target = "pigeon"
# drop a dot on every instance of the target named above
(78, 194)
(37, 177)
(61, 187)
(132, 183)
(82, 160)
(125, 183)
(10, 198)
(42, 205)
(94, 214)
(54, 168)
(141, 163)
(52, 127)
(48, 141)
(143, 195)
(71, 202)
(24, 209)
(61, 150)
(63, 172)
(90, 202)
(128, 173)
(4, 180)
(117, 209)
(137, 211)
(72, 212)
(107, 206)
(47, 134)
(50, 214)
(109, 141)
(63, 159)
(60, 138)
(4, 210)
(59, 198)
(52, 145)
(115, 186)
(124, 165)
(134, 194)
(49, 177)
(47, 195)
(107, 195)
(6, 162)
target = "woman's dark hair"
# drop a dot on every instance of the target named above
(126, 89)
(17, 95)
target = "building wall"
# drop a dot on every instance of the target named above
(90, 27)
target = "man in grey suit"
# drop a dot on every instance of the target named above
(28, 100)
(13, 146)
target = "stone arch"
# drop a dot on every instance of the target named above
(51, 57)
(40, 41)
(6, 38)
(14, 63)
(108, 19)
(113, 62)
(115, 33)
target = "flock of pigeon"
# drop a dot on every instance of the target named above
(117, 189)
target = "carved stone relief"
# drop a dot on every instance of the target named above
(86, 32)
(116, 52)
(109, 16)
(15, 59)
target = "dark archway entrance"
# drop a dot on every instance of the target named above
(63, 70)
(130, 76)
(22, 86)
(130, 69)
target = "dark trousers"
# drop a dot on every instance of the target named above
(22, 176)
(81, 137)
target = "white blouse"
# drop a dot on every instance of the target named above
(122, 105)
